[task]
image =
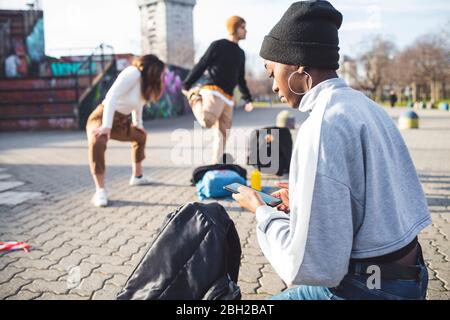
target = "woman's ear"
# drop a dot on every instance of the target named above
(300, 69)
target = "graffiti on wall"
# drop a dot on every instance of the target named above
(23, 36)
(172, 102)
(60, 69)
(36, 43)
(21, 52)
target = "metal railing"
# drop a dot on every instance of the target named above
(91, 62)
(100, 67)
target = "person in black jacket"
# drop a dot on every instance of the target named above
(212, 103)
(392, 98)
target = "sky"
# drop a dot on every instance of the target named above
(77, 26)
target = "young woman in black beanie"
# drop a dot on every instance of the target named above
(351, 213)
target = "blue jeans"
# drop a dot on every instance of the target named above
(354, 287)
(306, 293)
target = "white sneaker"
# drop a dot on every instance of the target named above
(100, 198)
(142, 181)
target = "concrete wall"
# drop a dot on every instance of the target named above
(180, 33)
(153, 28)
(167, 30)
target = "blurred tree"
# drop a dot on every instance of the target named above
(374, 65)
(425, 65)
(259, 85)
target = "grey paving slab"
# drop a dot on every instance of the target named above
(12, 198)
(82, 252)
(7, 185)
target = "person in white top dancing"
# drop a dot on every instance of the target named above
(135, 85)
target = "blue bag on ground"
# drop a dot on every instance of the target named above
(212, 183)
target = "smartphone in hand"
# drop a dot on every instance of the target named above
(267, 198)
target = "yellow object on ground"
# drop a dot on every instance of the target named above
(255, 180)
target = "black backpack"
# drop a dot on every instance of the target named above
(270, 150)
(196, 255)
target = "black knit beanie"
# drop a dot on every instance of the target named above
(306, 35)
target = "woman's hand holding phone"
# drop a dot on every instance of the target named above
(248, 198)
(283, 195)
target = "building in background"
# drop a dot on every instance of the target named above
(167, 30)
(22, 35)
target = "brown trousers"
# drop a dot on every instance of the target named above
(122, 130)
(212, 112)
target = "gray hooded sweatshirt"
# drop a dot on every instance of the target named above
(353, 188)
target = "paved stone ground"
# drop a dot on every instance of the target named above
(46, 189)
